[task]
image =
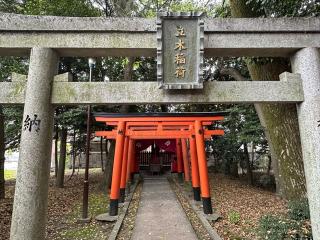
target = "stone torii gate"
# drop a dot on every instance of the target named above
(48, 38)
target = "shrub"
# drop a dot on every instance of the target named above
(273, 227)
(234, 217)
(281, 227)
(299, 210)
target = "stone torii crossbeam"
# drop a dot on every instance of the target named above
(48, 38)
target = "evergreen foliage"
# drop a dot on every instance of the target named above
(299, 210)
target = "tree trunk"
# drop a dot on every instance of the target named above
(74, 154)
(282, 124)
(56, 138)
(273, 156)
(62, 158)
(2, 157)
(234, 168)
(241, 9)
(248, 163)
(280, 121)
(251, 163)
(128, 70)
(269, 164)
(74, 151)
(164, 108)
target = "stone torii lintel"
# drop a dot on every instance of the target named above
(88, 37)
(66, 92)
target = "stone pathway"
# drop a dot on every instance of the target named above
(160, 215)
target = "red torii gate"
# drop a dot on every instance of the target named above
(179, 126)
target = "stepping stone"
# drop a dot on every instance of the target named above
(213, 217)
(105, 217)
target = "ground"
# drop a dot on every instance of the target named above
(64, 209)
(10, 174)
(240, 205)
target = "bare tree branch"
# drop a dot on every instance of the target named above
(206, 4)
(108, 9)
(13, 143)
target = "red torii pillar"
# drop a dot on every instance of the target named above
(123, 182)
(194, 169)
(185, 159)
(203, 169)
(131, 159)
(116, 172)
(135, 165)
(179, 159)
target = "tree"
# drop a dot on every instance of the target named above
(280, 121)
(286, 8)
(62, 157)
(241, 126)
(70, 8)
(10, 6)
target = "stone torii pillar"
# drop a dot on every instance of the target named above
(306, 62)
(31, 193)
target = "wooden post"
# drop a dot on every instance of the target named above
(116, 172)
(179, 159)
(203, 169)
(124, 170)
(130, 158)
(134, 162)
(194, 169)
(185, 160)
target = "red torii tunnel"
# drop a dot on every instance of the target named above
(182, 127)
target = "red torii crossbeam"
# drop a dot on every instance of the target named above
(127, 128)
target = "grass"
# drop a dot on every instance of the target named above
(10, 174)
(98, 203)
(86, 232)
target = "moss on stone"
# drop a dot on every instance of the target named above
(64, 93)
(18, 89)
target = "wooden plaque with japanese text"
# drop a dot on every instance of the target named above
(180, 50)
